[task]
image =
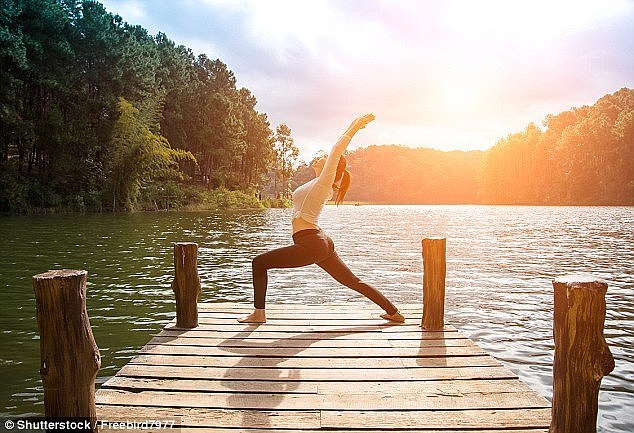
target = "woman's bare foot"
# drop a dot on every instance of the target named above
(258, 316)
(396, 317)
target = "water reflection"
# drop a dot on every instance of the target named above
(501, 261)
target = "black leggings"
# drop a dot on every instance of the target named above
(311, 246)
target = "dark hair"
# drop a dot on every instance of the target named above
(344, 175)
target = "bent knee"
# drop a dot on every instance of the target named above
(258, 263)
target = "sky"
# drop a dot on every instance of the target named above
(451, 75)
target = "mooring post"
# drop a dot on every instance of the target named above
(69, 355)
(434, 272)
(186, 284)
(582, 356)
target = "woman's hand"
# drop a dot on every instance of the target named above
(360, 122)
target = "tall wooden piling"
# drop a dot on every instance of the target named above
(69, 355)
(186, 284)
(434, 272)
(582, 356)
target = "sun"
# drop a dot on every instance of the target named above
(459, 98)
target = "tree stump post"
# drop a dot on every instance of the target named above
(186, 284)
(69, 355)
(582, 356)
(434, 272)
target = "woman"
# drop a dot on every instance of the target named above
(310, 244)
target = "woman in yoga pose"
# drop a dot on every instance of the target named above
(310, 243)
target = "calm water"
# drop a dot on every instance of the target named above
(500, 260)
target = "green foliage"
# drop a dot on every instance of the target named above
(65, 64)
(175, 195)
(286, 154)
(281, 202)
(137, 156)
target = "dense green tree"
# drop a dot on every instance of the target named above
(64, 64)
(137, 156)
(286, 156)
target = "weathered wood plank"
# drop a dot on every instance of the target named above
(451, 419)
(268, 334)
(210, 385)
(309, 329)
(228, 418)
(317, 374)
(284, 342)
(314, 352)
(396, 400)
(448, 387)
(296, 362)
(198, 417)
(375, 387)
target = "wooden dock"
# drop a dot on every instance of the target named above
(309, 368)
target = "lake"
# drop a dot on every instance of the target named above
(500, 264)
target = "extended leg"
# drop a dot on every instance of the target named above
(340, 272)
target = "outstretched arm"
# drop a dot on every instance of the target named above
(327, 175)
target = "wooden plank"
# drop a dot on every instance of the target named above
(448, 387)
(202, 418)
(296, 362)
(210, 385)
(268, 334)
(371, 387)
(298, 328)
(317, 374)
(242, 362)
(452, 419)
(396, 400)
(314, 352)
(284, 342)
(227, 418)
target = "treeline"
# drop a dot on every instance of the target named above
(95, 113)
(584, 156)
(403, 175)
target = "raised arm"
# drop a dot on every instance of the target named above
(327, 175)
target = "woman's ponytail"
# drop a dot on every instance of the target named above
(343, 187)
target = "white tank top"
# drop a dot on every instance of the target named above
(309, 199)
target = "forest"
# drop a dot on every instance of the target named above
(98, 115)
(583, 156)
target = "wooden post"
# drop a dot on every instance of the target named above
(582, 356)
(69, 355)
(434, 272)
(186, 284)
